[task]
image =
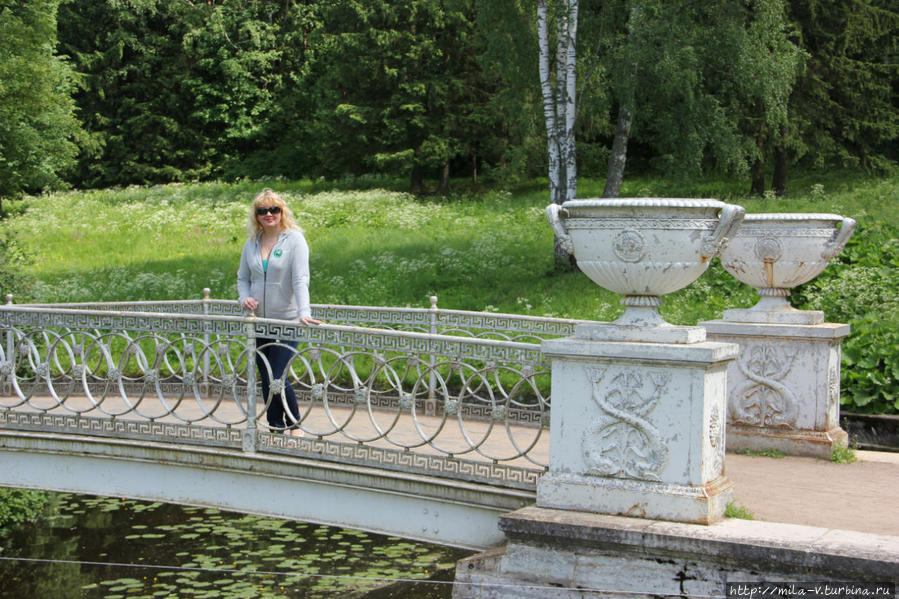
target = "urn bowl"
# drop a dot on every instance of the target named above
(642, 248)
(775, 252)
(645, 246)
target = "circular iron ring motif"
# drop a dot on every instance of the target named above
(768, 249)
(629, 245)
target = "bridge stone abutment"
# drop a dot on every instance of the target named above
(561, 554)
(634, 499)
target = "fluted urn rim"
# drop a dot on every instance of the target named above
(789, 216)
(644, 203)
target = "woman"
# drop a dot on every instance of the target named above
(273, 282)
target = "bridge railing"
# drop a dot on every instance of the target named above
(434, 320)
(423, 391)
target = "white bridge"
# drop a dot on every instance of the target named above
(421, 423)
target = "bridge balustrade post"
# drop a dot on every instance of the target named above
(204, 377)
(250, 440)
(431, 404)
(6, 386)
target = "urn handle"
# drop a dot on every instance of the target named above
(728, 223)
(840, 238)
(558, 227)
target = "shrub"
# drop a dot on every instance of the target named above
(14, 276)
(18, 506)
(861, 290)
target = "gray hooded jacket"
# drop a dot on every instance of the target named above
(282, 291)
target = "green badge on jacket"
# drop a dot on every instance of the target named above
(277, 253)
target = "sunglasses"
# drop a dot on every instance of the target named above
(269, 209)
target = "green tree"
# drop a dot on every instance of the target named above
(38, 127)
(700, 83)
(508, 57)
(184, 90)
(845, 107)
(131, 99)
(396, 87)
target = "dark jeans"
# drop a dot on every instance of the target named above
(277, 354)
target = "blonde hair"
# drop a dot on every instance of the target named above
(269, 197)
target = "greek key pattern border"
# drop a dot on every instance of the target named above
(118, 428)
(156, 323)
(404, 461)
(199, 326)
(473, 324)
(407, 342)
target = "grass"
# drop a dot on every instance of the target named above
(735, 510)
(489, 251)
(765, 453)
(843, 455)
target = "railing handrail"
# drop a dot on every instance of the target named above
(405, 315)
(290, 330)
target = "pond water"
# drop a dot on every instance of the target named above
(122, 548)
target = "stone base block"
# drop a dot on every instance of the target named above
(815, 444)
(642, 499)
(786, 315)
(557, 554)
(638, 429)
(614, 331)
(783, 391)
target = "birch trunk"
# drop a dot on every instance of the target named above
(549, 104)
(571, 100)
(618, 156)
(559, 106)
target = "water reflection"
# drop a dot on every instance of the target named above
(117, 548)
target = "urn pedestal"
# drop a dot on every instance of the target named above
(784, 388)
(638, 429)
(638, 408)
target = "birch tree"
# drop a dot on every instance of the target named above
(558, 84)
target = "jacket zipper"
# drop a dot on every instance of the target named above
(264, 277)
(265, 272)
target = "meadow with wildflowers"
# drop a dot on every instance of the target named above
(372, 244)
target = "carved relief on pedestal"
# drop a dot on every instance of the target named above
(833, 390)
(716, 440)
(621, 442)
(833, 384)
(762, 399)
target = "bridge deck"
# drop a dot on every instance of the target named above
(860, 496)
(341, 423)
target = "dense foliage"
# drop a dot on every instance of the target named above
(844, 107)
(487, 251)
(37, 113)
(431, 89)
(18, 506)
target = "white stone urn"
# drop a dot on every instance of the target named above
(775, 252)
(643, 248)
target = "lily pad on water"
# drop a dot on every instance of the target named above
(313, 561)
